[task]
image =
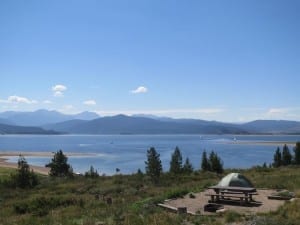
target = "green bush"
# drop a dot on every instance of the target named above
(24, 178)
(42, 205)
(176, 193)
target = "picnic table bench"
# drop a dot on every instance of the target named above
(219, 197)
(243, 194)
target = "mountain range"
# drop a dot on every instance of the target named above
(42, 117)
(12, 129)
(53, 122)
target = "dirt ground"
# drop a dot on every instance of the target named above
(196, 205)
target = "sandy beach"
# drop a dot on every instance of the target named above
(38, 169)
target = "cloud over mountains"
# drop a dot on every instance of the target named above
(58, 90)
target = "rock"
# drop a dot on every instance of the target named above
(182, 210)
(221, 211)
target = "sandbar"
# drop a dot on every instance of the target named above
(36, 169)
(4, 155)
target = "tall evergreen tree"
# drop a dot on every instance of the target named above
(297, 154)
(187, 167)
(215, 162)
(277, 158)
(286, 156)
(176, 162)
(153, 165)
(92, 173)
(59, 166)
(205, 166)
(24, 177)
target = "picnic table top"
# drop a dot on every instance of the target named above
(239, 189)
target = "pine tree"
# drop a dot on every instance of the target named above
(153, 165)
(187, 167)
(24, 177)
(92, 173)
(59, 166)
(176, 162)
(215, 162)
(277, 158)
(286, 156)
(205, 166)
(264, 165)
(297, 154)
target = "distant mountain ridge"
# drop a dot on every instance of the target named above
(272, 126)
(10, 129)
(42, 117)
(122, 124)
(91, 123)
(6, 121)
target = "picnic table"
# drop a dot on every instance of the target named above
(244, 194)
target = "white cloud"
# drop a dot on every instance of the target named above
(59, 87)
(17, 99)
(58, 90)
(139, 90)
(90, 102)
(58, 94)
(283, 113)
(47, 102)
(273, 111)
(276, 113)
(68, 107)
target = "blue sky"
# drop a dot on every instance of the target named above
(218, 60)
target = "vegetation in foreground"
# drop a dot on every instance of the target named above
(132, 199)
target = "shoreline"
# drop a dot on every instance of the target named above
(274, 143)
(37, 169)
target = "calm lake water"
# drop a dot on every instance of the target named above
(128, 152)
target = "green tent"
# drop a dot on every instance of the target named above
(235, 180)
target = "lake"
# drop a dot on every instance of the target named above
(128, 152)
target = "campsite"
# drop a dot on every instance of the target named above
(149, 112)
(233, 193)
(134, 199)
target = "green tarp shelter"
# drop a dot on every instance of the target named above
(235, 180)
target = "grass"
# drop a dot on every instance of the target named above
(84, 201)
(5, 173)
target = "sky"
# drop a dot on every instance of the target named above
(232, 61)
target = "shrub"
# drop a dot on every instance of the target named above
(24, 178)
(177, 193)
(59, 166)
(92, 173)
(42, 205)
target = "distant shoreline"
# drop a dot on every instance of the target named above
(275, 143)
(38, 169)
